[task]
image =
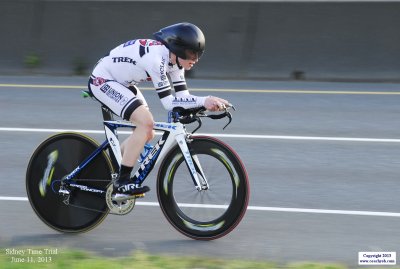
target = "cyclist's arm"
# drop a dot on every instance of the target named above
(163, 87)
(182, 94)
(183, 97)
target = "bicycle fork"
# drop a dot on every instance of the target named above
(193, 163)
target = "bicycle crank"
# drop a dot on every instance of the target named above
(119, 206)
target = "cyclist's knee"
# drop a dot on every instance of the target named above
(143, 119)
(148, 130)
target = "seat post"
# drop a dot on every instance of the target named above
(107, 114)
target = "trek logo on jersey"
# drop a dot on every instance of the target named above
(123, 60)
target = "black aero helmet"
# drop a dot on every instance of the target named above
(184, 39)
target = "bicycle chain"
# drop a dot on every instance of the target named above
(96, 210)
(114, 208)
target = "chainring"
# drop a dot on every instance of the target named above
(118, 207)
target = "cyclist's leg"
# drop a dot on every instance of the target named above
(143, 133)
(140, 119)
(129, 104)
(132, 147)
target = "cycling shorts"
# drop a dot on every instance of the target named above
(121, 100)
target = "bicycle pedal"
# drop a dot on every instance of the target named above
(124, 197)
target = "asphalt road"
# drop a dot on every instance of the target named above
(323, 161)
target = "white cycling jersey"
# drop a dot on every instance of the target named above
(133, 62)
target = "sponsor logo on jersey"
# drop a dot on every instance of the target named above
(98, 81)
(130, 42)
(163, 76)
(143, 42)
(162, 84)
(123, 60)
(149, 42)
(114, 94)
(105, 88)
(182, 101)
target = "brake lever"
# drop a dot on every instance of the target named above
(198, 119)
(230, 106)
(226, 113)
(229, 115)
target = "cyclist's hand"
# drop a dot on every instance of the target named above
(213, 103)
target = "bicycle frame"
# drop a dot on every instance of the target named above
(173, 134)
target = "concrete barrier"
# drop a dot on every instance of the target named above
(246, 40)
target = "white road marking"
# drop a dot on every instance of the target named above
(254, 208)
(10, 198)
(257, 208)
(282, 137)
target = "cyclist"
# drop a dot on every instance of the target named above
(176, 48)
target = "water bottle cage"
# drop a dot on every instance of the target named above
(146, 150)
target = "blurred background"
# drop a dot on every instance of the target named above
(322, 157)
(273, 40)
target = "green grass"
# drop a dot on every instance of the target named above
(76, 259)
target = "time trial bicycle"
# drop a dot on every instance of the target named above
(202, 185)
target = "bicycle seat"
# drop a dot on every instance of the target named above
(86, 94)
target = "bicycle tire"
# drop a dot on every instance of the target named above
(72, 149)
(225, 209)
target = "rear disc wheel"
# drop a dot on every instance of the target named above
(56, 157)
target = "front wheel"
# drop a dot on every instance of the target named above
(206, 214)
